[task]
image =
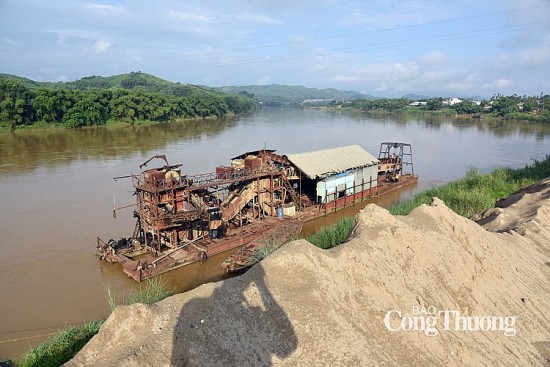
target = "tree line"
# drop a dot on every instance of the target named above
(23, 106)
(532, 108)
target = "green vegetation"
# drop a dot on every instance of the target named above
(377, 105)
(153, 290)
(94, 100)
(334, 235)
(63, 346)
(525, 108)
(262, 253)
(477, 192)
(467, 196)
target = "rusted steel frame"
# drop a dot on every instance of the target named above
(212, 179)
(176, 249)
(206, 180)
(163, 157)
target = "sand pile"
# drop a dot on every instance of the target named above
(430, 288)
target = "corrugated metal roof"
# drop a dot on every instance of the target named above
(322, 163)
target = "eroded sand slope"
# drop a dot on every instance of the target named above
(311, 307)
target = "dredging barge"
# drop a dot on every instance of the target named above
(261, 199)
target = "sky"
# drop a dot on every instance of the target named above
(378, 47)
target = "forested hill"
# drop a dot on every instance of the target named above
(268, 95)
(95, 100)
(133, 80)
(286, 95)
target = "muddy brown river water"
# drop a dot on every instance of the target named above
(57, 194)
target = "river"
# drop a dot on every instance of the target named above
(57, 194)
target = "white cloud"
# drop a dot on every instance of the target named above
(498, 84)
(104, 8)
(434, 58)
(84, 40)
(101, 46)
(135, 54)
(11, 42)
(264, 80)
(190, 17)
(537, 56)
(257, 18)
(347, 78)
(377, 15)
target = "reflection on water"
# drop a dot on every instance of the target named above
(58, 193)
(27, 150)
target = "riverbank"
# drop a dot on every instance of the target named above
(429, 263)
(517, 108)
(110, 124)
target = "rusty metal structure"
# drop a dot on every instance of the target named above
(395, 158)
(182, 219)
(174, 208)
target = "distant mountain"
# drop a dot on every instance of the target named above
(287, 95)
(269, 95)
(415, 97)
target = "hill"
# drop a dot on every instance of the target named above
(127, 97)
(134, 80)
(415, 97)
(274, 95)
(24, 81)
(428, 289)
(285, 95)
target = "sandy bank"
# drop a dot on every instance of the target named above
(312, 307)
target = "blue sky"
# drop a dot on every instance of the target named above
(379, 47)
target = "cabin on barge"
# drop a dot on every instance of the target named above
(182, 219)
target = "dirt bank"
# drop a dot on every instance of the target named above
(306, 306)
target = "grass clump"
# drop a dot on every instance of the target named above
(61, 347)
(477, 192)
(153, 290)
(262, 253)
(466, 196)
(334, 235)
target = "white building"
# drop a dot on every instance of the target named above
(451, 101)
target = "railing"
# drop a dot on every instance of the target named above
(204, 180)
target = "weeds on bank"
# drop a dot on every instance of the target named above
(334, 235)
(153, 290)
(262, 253)
(477, 192)
(63, 346)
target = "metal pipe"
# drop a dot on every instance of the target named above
(176, 249)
